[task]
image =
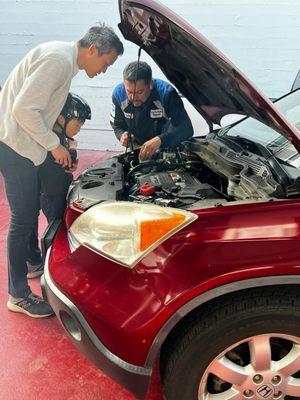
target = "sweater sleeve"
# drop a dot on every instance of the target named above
(179, 126)
(34, 97)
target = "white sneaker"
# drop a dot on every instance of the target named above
(31, 305)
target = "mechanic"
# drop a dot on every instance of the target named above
(30, 102)
(151, 109)
(55, 180)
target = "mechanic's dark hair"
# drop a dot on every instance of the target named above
(135, 71)
(104, 38)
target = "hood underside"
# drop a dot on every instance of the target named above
(211, 83)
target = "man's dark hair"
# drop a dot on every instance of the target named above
(135, 71)
(104, 38)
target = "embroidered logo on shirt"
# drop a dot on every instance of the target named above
(128, 115)
(156, 113)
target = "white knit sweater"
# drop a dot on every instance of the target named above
(33, 96)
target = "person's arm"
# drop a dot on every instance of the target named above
(34, 98)
(117, 119)
(179, 127)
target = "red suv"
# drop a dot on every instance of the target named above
(203, 273)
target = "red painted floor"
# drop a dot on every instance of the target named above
(37, 359)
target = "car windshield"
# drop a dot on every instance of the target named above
(258, 132)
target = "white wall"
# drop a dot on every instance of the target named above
(260, 36)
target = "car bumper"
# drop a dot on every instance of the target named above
(134, 378)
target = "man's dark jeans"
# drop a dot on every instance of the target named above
(22, 190)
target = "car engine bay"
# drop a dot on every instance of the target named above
(203, 173)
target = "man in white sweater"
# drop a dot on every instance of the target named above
(30, 101)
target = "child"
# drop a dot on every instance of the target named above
(54, 179)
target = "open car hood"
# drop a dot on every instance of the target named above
(199, 71)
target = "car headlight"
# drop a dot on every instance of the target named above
(125, 232)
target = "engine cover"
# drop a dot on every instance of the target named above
(173, 180)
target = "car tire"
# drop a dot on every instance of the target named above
(254, 327)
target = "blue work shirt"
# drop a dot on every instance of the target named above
(163, 115)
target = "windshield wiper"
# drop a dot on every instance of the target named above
(223, 131)
(249, 145)
(277, 145)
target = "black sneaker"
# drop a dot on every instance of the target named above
(34, 270)
(31, 305)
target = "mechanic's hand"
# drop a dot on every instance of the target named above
(72, 169)
(62, 156)
(149, 148)
(124, 139)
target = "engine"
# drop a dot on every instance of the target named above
(202, 174)
(168, 180)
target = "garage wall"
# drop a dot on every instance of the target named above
(260, 36)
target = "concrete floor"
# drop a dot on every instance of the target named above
(37, 359)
